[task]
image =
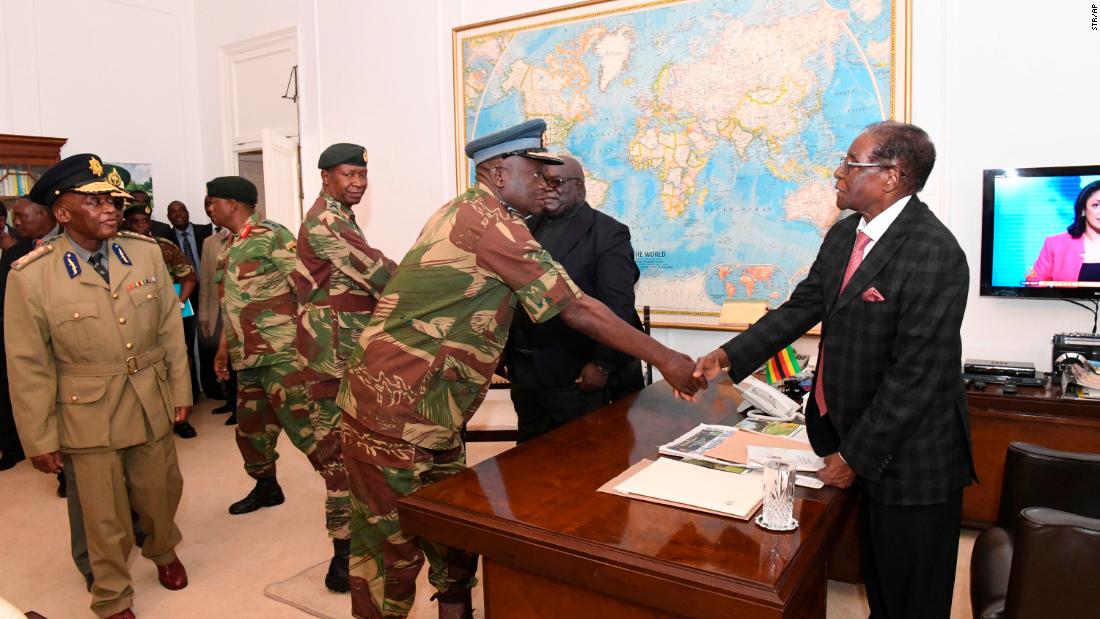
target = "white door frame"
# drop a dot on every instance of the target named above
(272, 43)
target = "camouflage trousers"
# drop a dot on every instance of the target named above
(385, 560)
(275, 398)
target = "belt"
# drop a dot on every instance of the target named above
(132, 365)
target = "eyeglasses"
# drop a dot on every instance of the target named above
(847, 164)
(555, 182)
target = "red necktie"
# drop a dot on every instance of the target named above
(853, 264)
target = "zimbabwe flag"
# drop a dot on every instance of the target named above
(783, 365)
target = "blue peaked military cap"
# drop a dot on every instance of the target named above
(524, 140)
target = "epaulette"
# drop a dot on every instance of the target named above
(134, 235)
(35, 254)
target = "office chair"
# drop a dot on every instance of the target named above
(1041, 558)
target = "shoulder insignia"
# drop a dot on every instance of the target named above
(126, 234)
(292, 246)
(72, 265)
(35, 254)
(121, 254)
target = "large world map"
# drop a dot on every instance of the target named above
(710, 128)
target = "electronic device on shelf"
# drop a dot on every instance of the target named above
(1039, 380)
(1021, 207)
(1021, 369)
(1073, 348)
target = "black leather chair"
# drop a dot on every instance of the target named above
(1043, 558)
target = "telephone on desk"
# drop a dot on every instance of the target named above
(766, 402)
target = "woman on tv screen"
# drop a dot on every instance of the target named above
(1073, 255)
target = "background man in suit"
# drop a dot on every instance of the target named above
(95, 342)
(889, 288)
(209, 314)
(559, 374)
(11, 452)
(32, 222)
(190, 238)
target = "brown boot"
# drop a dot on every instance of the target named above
(455, 604)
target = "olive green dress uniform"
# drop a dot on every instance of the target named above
(101, 368)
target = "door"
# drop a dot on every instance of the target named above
(280, 165)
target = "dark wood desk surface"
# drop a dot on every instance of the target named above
(533, 512)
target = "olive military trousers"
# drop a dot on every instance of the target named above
(146, 477)
(385, 560)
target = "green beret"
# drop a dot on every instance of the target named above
(232, 188)
(138, 209)
(342, 153)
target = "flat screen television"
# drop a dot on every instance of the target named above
(1021, 209)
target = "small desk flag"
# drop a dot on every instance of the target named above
(783, 365)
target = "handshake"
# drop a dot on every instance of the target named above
(688, 377)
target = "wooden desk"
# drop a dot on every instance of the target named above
(554, 547)
(1032, 415)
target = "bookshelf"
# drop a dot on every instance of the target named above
(23, 158)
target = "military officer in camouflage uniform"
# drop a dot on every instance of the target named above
(424, 362)
(259, 311)
(95, 344)
(339, 280)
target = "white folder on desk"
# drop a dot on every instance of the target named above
(695, 486)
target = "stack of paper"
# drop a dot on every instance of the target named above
(693, 487)
(735, 448)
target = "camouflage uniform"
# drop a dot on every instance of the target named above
(338, 280)
(420, 371)
(258, 303)
(179, 267)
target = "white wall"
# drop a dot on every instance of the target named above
(116, 79)
(218, 23)
(996, 82)
(1019, 90)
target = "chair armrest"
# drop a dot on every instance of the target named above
(990, 566)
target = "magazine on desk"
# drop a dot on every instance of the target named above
(695, 443)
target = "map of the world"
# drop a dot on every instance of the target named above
(710, 128)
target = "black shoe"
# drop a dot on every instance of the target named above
(61, 490)
(232, 421)
(337, 578)
(267, 493)
(223, 409)
(185, 430)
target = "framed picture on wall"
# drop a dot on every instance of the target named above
(141, 176)
(711, 128)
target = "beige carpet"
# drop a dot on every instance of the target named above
(306, 591)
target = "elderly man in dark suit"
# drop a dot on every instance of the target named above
(559, 374)
(888, 412)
